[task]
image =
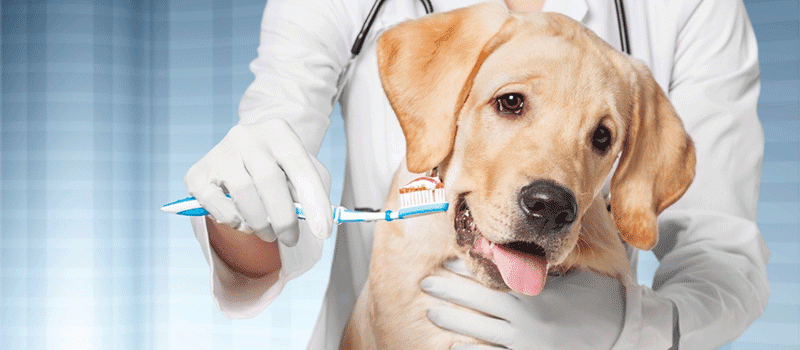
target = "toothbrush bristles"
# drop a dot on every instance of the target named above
(421, 191)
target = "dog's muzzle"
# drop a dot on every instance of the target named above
(549, 208)
(518, 265)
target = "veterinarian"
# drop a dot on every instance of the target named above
(711, 283)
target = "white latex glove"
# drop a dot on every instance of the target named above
(584, 310)
(260, 165)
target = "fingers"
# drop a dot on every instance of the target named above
(242, 210)
(201, 183)
(272, 188)
(218, 205)
(302, 172)
(247, 200)
(471, 324)
(468, 293)
(257, 165)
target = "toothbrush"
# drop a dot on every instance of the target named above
(424, 195)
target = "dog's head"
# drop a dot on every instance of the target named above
(525, 116)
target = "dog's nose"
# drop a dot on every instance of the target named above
(548, 206)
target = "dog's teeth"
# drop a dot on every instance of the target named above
(491, 246)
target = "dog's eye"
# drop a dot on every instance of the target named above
(510, 103)
(601, 139)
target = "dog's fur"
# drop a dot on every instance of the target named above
(443, 74)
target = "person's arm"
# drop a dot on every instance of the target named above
(244, 253)
(712, 256)
(303, 48)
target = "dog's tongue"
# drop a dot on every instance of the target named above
(521, 272)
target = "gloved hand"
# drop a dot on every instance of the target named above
(253, 163)
(584, 310)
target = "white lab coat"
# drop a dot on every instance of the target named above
(702, 52)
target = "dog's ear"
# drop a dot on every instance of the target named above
(426, 68)
(657, 163)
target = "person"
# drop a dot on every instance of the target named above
(710, 285)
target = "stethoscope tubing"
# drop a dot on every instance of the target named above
(623, 27)
(362, 34)
(359, 42)
(373, 13)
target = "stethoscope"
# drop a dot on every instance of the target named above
(362, 35)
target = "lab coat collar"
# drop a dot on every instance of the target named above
(575, 9)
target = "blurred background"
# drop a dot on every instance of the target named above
(106, 105)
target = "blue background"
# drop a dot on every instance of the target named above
(105, 107)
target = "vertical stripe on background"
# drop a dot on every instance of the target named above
(224, 114)
(102, 134)
(778, 33)
(36, 130)
(157, 265)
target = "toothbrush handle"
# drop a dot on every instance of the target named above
(189, 206)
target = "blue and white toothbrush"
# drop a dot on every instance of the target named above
(424, 195)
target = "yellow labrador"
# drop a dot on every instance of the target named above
(524, 116)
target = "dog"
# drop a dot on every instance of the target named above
(524, 116)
